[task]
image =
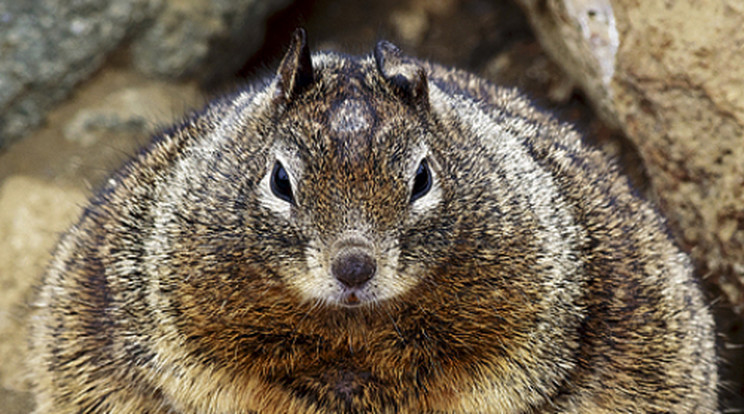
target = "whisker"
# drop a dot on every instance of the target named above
(395, 325)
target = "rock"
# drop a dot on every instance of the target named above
(581, 35)
(131, 110)
(204, 38)
(33, 213)
(46, 48)
(670, 74)
(15, 402)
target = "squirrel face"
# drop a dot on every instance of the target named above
(358, 181)
(351, 172)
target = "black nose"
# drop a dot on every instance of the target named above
(354, 268)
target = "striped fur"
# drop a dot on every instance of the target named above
(528, 279)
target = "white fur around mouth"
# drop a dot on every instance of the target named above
(318, 284)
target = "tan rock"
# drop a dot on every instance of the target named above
(675, 86)
(33, 213)
(133, 110)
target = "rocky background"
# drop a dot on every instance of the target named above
(659, 85)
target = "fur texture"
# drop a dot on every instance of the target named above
(526, 279)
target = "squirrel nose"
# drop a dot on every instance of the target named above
(353, 268)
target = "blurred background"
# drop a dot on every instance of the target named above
(660, 87)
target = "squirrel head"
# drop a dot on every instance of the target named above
(350, 168)
(348, 188)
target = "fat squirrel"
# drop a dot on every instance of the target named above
(370, 235)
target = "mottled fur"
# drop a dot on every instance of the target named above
(529, 279)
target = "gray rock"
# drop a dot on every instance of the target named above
(203, 38)
(47, 47)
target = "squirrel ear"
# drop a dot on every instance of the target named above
(406, 77)
(296, 70)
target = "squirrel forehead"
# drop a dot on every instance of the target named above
(348, 115)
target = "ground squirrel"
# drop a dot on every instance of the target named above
(377, 234)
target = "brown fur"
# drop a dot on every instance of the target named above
(530, 279)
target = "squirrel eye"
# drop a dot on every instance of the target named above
(280, 185)
(422, 182)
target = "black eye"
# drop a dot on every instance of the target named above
(280, 185)
(422, 182)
